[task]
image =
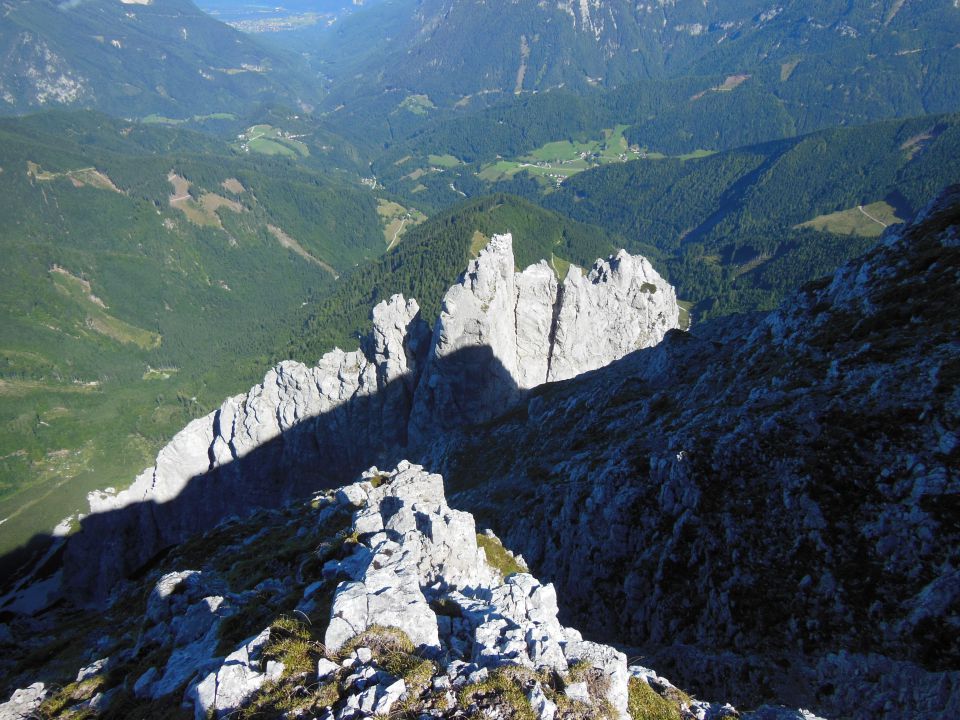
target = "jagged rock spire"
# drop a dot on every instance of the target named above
(499, 332)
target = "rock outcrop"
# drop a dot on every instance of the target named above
(386, 602)
(500, 332)
(765, 506)
(416, 554)
(23, 703)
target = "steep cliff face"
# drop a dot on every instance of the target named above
(300, 429)
(500, 332)
(768, 504)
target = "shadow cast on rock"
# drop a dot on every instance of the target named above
(315, 453)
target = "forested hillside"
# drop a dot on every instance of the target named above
(147, 273)
(709, 73)
(747, 226)
(443, 47)
(739, 228)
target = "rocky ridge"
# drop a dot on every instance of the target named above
(500, 333)
(396, 606)
(773, 496)
(765, 508)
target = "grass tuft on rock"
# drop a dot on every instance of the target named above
(292, 643)
(381, 640)
(643, 703)
(497, 556)
(501, 694)
(76, 692)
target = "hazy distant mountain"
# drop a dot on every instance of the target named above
(906, 52)
(135, 57)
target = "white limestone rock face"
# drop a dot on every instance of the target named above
(410, 540)
(622, 305)
(223, 692)
(282, 439)
(536, 304)
(416, 553)
(500, 332)
(472, 364)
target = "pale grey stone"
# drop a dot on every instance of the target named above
(239, 676)
(93, 669)
(387, 696)
(500, 331)
(578, 692)
(23, 702)
(326, 669)
(612, 663)
(622, 305)
(159, 602)
(545, 708)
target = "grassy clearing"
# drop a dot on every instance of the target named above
(265, 146)
(560, 266)
(787, 68)
(204, 211)
(212, 202)
(443, 161)
(864, 221)
(18, 388)
(232, 185)
(477, 243)
(156, 119)
(97, 318)
(396, 220)
(417, 104)
(160, 373)
(730, 83)
(181, 200)
(291, 244)
(269, 140)
(556, 161)
(81, 177)
(686, 320)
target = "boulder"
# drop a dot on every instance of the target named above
(24, 702)
(223, 691)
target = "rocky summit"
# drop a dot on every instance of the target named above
(396, 608)
(500, 333)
